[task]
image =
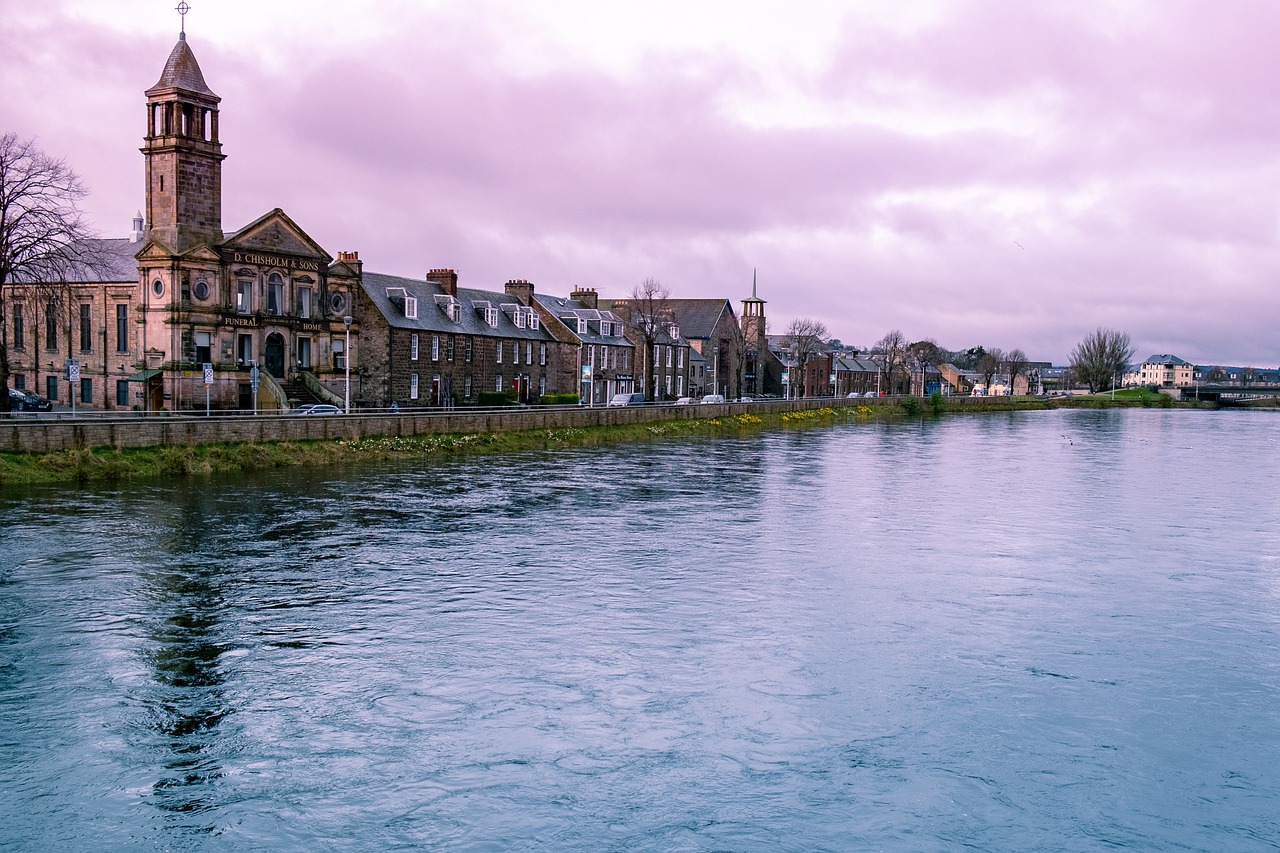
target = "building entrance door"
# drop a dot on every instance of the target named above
(273, 355)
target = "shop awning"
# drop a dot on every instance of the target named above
(144, 375)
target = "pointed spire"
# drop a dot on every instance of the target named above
(753, 283)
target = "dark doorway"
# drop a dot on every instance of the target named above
(273, 355)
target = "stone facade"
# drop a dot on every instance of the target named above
(429, 342)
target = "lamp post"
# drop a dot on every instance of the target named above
(346, 363)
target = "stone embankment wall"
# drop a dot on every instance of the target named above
(47, 433)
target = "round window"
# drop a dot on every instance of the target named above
(201, 290)
(338, 302)
(157, 287)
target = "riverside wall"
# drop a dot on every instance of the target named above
(46, 433)
(50, 433)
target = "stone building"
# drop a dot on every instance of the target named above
(90, 318)
(429, 342)
(761, 368)
(179, 294)
(712, 328)
(267, 296)
(606, 358)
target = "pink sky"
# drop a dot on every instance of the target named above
(998, 172)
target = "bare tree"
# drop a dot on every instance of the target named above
(1015, 364)
(647, 313)
(989, 364)
(44, 241)
(807, 340)
(923, 356)
(1101, 358)
(892, 349)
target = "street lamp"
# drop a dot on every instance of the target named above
(346, 363)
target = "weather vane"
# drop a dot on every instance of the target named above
(183, 8)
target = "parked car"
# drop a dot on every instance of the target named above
(28, 401)
(713, 398)
(316, 409)
(627, 399)
(684, 401)
(745, 400)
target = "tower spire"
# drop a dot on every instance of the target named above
(183, 8)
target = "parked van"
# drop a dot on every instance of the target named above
(627, 400)
(713, 398)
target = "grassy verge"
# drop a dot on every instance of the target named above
(107, 464)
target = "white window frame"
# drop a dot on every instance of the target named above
(542, 354)
(435, 347)
(497, 386)
(528, 352)
(498, 357)
(533, 319)
(411, 307)
(413, 386)
(413, 347)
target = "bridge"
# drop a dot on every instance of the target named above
(1231, 395)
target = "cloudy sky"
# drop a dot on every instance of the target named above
(1007, 173)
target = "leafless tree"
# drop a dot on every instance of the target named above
(923, 356)
(1015, 364)
(989, 364)
(44, 241)
(807, 340)
(1101, 358)
(647, 313)
(892, 350)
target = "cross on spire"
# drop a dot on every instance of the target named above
(183, 8)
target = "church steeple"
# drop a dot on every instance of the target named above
(183, 155)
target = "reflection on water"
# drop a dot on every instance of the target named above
(1034, 631)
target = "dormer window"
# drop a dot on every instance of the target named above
(519, 318)
(450, 305)
(411, 307)
(582, 325)
(533, 320)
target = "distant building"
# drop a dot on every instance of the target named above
(1163, 371)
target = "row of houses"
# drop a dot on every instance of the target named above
(182, 315)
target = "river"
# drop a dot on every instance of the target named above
(1031, 631)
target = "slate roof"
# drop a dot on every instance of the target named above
(848, 363)
(696, 318)
(568, 311)
(182, 71)
(432, 317)
(117, 256)
(1165, 358)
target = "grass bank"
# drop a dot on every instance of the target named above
(107, 464)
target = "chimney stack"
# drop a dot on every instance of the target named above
(521, 290)
(447, 279)
(586, 295)
(352, 259)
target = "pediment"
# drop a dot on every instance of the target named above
(275, 234)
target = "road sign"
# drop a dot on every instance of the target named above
(254, 374)
(208, 373)
(73, 370)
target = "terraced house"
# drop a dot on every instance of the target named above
(429, 342)
(606, 358)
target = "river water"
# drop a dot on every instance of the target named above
(1037, 631)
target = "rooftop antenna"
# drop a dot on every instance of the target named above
(183, 8)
